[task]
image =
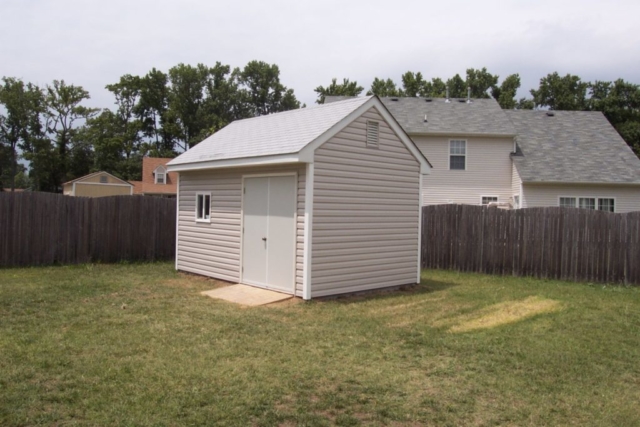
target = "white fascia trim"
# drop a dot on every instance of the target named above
(308, 228)
(464, 134)
(604, 184)
(177, 217)
(230, 163)
(103, 184)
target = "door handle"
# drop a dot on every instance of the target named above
(264, 239)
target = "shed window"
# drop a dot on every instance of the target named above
(567, 202)
(607, 205)
(103, 179)
(373, 134)
(489, 199)
(457, 154)
(587, 203)
(203, 207)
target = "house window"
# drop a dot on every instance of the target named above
(489, 199)
(373, 134)
(516, 202)
(160, 174)
(587, 203)
(457, 154)
(607, 205)
(103, 179)
(203, 207)
(567, 202)
(159, 178)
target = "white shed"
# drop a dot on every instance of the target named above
(313, 202)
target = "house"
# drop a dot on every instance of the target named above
(97, 184)
(156, 181)
(313, 202)
(484, 155)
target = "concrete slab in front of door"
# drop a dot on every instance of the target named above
(247, 295)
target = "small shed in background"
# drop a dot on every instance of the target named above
(312, 202)
(97, 184)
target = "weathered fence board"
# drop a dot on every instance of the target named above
(45, 228)
(555, 243)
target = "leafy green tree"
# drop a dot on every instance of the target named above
(346, 88)
(561, 93)
(480, 82)
(20, 125)
(457, 87)
(152, 107)
(436, 88)
(413, 84)
(383, 87)
(505, 94)
(264, 92)
(525, 104)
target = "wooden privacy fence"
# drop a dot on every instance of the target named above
(45, 228)
(555, 243)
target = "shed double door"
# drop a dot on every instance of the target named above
(268, 235)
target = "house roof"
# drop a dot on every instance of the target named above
(94, 174)
(571, 146)
(148, 185)
(481, 117)
(284, 137)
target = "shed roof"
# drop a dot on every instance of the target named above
(571, 146)
(283, 137)
(456, 117)
(94, 174)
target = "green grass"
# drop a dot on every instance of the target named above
(138, 345)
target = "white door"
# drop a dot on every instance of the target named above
(268, 240)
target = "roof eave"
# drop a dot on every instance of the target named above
(238, 162)
(630, 184)
(465, 134)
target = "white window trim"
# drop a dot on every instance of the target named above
(466, 154)
(198, 194)
(568, 197)
(587, 197)
(162, 170)
(615, 203)
(483, 196)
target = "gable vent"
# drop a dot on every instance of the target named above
(373, 133)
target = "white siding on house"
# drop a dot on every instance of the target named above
(213, 249)
(515, 184)
(488, 170)
(627, 198)
(365, 212)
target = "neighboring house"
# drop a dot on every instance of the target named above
(156, 181)
(483, 155)
(98, 184)
(313, 202)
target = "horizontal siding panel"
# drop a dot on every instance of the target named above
(334, 162)
(363, 285)
(627, 198)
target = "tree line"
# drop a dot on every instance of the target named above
(619, 100)
(159, 114)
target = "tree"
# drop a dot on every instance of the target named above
(561, 93)
(436, 88)
(346, 88)
(264, 92)
(381, 87)
(480, 82)
(151, 109)
(20, 126)
(412, 84)
(505, 93)
(457, 87)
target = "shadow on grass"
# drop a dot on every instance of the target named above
(425, 287)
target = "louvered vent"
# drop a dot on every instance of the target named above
(373, 134)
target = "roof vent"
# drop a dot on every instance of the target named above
(425, 118)
(428, 100)
(447, 100)
(550, 113)
(394, 99)
(373, 133)
(462, 100)
(469, 95)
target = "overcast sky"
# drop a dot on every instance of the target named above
(92, 43)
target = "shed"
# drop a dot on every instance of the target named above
(312, 202)
(97, 184)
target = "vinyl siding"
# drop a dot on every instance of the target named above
(515, 183)
(213, 249)
(101, 190)
(540, 195)
(365, 212)
(488, 170)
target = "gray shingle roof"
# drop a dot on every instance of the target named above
(480, 117)
(281, 133)
(571, 146)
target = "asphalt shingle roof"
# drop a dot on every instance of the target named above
(480, 117)
(282, 133)
(573, 147)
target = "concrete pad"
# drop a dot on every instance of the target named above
(247, 295)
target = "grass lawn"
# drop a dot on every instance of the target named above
(138, 345)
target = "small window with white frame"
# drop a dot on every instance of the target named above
(373, 134)
(160, 174)
(567, 202)
(606, 204)
(489, 199)
(203, 207)
(587, 203)
(457, 154)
